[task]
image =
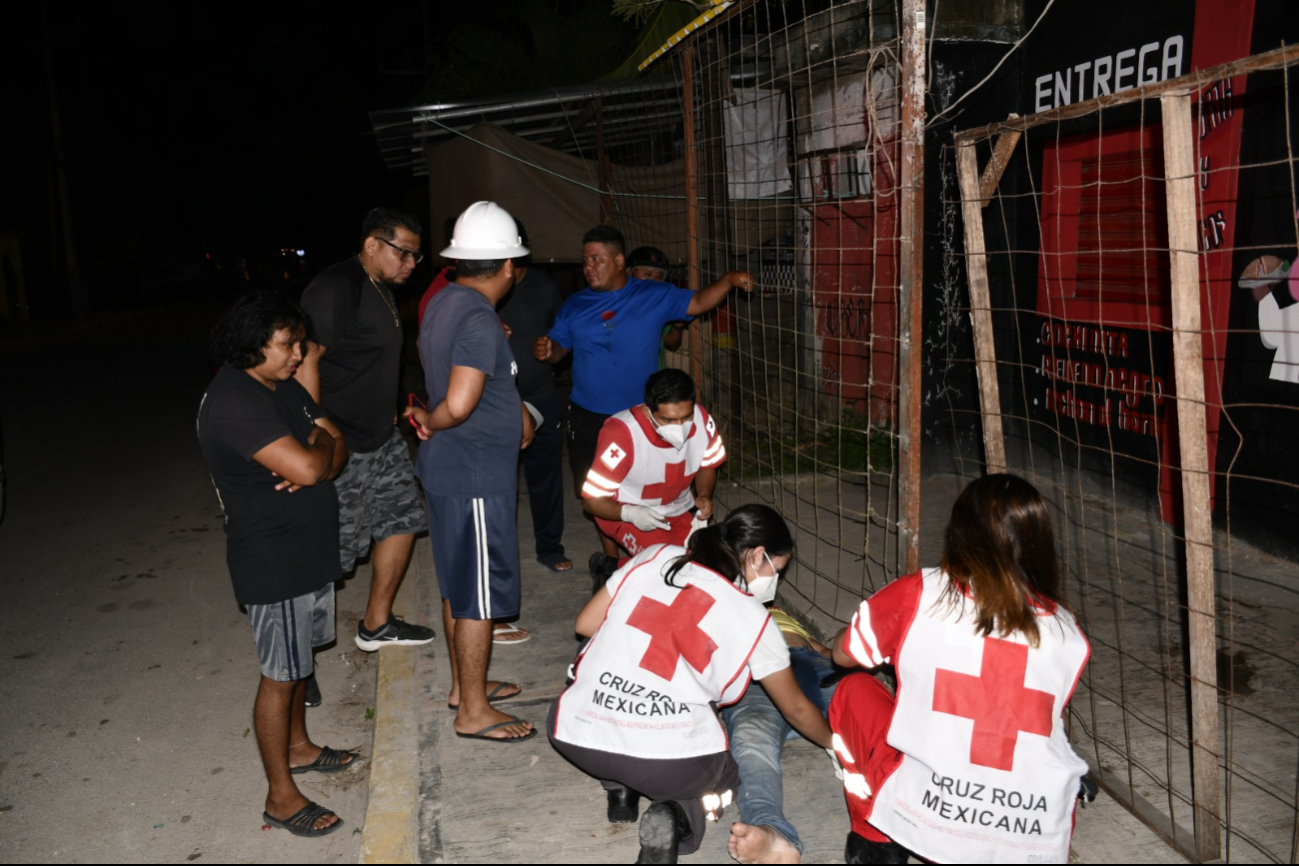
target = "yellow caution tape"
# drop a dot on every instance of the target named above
(719, 6)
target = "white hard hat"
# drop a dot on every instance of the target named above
(485, 232)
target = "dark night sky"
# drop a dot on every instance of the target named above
(190, 128)
(204, 128)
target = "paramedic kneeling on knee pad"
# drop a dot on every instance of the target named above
(674, 633)
(969, 762)
(647, 459)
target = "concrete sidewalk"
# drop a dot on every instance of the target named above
(436, 798)
(127, 670)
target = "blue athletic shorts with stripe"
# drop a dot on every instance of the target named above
(476, 551)
(286, 631)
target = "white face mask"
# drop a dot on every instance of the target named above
(763, 587)
(673, 434)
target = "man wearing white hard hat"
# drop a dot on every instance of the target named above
(468, 463)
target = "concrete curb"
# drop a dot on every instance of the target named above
(391, 833)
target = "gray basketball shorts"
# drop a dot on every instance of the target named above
(286, 631)
(378, 497)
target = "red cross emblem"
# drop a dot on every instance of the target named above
(674, 631)
(674, 481)
(998, 702)
(614, 453)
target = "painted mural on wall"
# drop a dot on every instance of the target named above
(1101, 341)
(1275, 288)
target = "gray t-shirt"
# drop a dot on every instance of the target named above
(481, 456)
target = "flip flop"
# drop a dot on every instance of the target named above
(303, 823)
(495, 694)
(509, 629)
(556, 562)
(482, 734)
(328, 761)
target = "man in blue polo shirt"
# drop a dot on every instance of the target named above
(613, 328)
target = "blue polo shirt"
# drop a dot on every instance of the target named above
(614, 338)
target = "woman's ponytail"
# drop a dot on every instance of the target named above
(719, 547)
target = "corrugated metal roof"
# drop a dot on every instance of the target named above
(562, 118)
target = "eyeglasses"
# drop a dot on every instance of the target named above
(406, 255)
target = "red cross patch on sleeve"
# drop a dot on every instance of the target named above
(613, 455)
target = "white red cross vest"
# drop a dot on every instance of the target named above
(635, 467)
(987, 774)
(647, 681)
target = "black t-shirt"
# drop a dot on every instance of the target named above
(352, 319)
(529, 309)
(279, 545)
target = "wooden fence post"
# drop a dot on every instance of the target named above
(911, 256)
(1188, 363)
(976, 269)
(692, 201)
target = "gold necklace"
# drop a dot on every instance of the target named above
(392, 308)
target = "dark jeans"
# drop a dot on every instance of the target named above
(543, 467)
(583, 435)
(685, 780)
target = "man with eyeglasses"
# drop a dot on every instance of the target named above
(353, 371)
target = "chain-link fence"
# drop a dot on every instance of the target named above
(1129, 292)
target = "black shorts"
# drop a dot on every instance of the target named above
(476, 553)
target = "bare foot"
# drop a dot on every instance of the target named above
(509, 690)
(760, 844)
(281, 812)
(504, 633)
(467, 725)
(306, 754)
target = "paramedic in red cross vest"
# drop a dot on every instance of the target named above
(969, 762)
(647, 459)
(675, 633)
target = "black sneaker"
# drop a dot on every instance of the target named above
(313, 692)
(397, 632)
(602, 567)
(624, 806)
(659, 833)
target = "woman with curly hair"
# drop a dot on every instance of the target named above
(272, 454)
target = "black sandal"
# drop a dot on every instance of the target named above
(304, 822)
(329, 761)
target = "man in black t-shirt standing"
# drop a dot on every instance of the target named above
(353, 371)
(271, 453)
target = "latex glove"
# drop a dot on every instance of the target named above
(644, 518)
(834, 761)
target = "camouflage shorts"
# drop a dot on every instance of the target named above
(378, 497)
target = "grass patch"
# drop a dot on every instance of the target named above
(852, 447)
